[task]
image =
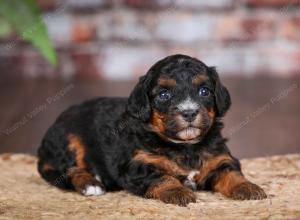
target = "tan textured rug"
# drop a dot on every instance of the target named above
(24, 195)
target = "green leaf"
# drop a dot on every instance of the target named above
(5, 28)
(24, 16)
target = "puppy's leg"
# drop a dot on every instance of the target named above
(85, 183)
(232, 184)
(157, 177)
(222, 173)
(169, 190)
(150, 181)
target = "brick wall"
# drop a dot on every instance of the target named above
(120, 39)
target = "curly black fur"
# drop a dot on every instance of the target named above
(108, 133)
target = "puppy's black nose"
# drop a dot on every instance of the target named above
(189, 115)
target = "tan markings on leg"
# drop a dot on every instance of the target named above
(47, 167)
(158, 122)
(210, 165)
(247, 190)
(166, 183)
(81, 178)
(199, 78)
(227, 181)
(162, 162)
(170, 190)
(165, 81)
(78, 148)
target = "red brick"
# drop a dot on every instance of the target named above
(85, 64)
(282, 61)
(83, 31)
(125, 25)
(184, 28)
(8, 61)
(148, 4)
(227, 60)
(182, 4)
(205, 5)
(47, 5)
(36, 66)
(125, 62)
(88, 5)
(272, 3)
(123, 42)
(59, 27)
(290, 28)
(66, 65)
(242, 28)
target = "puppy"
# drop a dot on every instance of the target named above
(163, 142)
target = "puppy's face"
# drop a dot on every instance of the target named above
(183, 97)
(182, 104)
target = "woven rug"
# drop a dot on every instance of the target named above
(24, 195)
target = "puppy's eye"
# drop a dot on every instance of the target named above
(204, 91)
(164, 95)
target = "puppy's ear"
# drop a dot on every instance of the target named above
(222, 97)
(138, 102)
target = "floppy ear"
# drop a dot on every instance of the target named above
(138, 102)
(222, 97)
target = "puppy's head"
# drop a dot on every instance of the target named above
(179, 98)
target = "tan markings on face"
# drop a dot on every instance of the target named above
(211, 114)
(164, 81)
(210, 165)
(162, 162)
(199, 78)
(158, 121)
(78, 148)
(47, 167)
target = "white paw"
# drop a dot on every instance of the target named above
(93, 191)
(190, 182)
(97, 177)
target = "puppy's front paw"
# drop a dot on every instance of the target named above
(180, 196)
(91, 190)
(248, 191)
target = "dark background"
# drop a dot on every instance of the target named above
(103, 46)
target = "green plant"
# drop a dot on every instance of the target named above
(24, 17)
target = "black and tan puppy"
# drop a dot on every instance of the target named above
(163, 142)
